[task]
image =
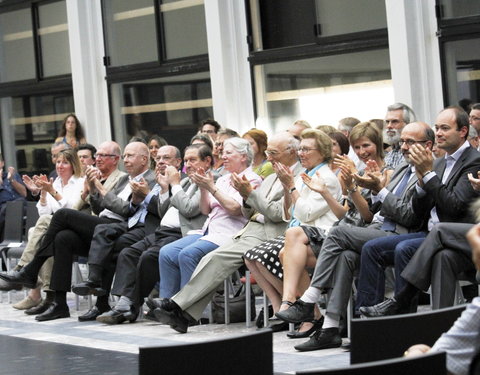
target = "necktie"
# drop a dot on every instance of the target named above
(139, 216)
(388, 224)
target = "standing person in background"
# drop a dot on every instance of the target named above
(258, 140)
(72, 132)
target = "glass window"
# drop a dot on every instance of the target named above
(346, 16)
(171, 107)
(459, 8)
(462, 70)
(291, 22)
(184, 27)
(53, 33)
(325, 89)
(17, 58)
(131, 31)
(33, 122)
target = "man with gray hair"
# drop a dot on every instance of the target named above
(398, 115)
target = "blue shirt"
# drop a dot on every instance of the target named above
(7, 192)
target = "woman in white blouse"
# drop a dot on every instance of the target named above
(63, 192)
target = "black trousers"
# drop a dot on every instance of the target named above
(137, 266)
(70, 233)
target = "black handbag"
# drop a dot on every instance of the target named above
(236, 306)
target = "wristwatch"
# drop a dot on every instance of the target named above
(292, 190)
(352, 190)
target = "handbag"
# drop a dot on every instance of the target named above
(236, 306)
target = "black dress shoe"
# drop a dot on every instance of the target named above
(117, 317)
(88, 288)
(387, 307)
(40, 308)
(55, 311)
(316, 325)
(19, 278)
(260, 318)
(175, 319)
(161, 303)
(322, 339)
(299, 312)
(92, 314)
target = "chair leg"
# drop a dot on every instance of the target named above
(248, 302)
(265, 310)
(226, 294)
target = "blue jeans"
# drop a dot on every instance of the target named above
(376, 255)
(178, 260)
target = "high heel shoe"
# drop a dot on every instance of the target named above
(317, 324)
(260, 318)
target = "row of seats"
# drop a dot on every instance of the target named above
(376, 347)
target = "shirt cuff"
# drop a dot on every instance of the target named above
(163, 197)
(175, 189)
(428, 177)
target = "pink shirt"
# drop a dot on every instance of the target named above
(221, 225)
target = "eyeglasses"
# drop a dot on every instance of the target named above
(409, 142)
(208, 131)
(102, 156)
(305, 149)
(163, 157)
(218, 144)
(274, 152)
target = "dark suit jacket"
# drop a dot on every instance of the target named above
(453, 198)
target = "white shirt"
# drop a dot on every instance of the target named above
(70, 195)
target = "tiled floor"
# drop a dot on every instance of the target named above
(127, 338)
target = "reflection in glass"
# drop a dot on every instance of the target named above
(170, 107)
(325, 89)
(33, 122)
(131, 31)
(462, 62)
(53, 34)
(459, 8)
(185, 31)
(17, 59)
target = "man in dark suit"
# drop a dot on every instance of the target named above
(111, 238)
(396, 216)
(137, 267)
(70, 232)
(444, 191)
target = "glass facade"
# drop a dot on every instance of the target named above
(17, 53)
(34, 121)
(53, 34)
(458, 8)
(131, 31)
(169, 107)
(317, 89)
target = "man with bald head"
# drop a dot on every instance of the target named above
(264, 207)
(71, 232)
(445, 193)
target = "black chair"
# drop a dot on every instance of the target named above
(428, 364)
(377, 339)
(13, 230)
(248, 354)
(30, 220)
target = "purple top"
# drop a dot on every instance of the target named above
(221, 225)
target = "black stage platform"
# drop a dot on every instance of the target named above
(24, 356)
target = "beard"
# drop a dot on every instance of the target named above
(391, 139)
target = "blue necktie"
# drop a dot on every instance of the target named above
(139, 216)
(390, 225)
